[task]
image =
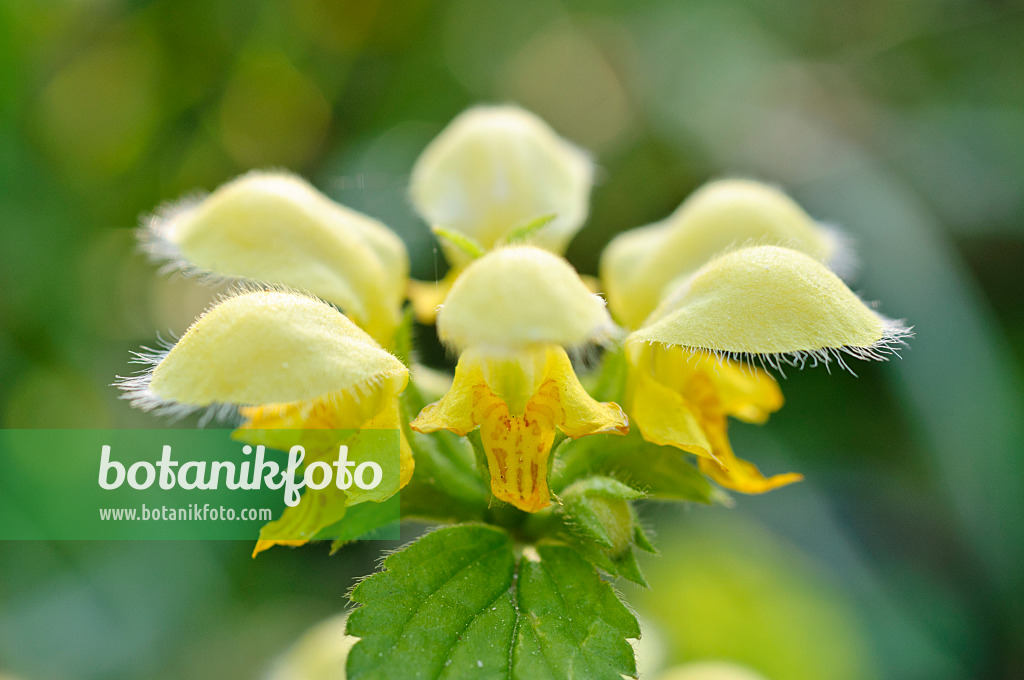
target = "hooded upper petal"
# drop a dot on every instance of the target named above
(495, 169)
(638, 265)
(267, 348)
(772, 301)
(277, 228)
(519, 296)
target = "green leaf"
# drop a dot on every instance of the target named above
(610, 380)
(525, 231)
(571, 623)
(624, 564)
(461, 241)
(445, 597)
(662, 472)
(641, 540)
(452, 606)
(364, 521)
(403, 345)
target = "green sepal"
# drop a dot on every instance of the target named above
(600, 521)
(627, 567)
(525, 231)
(623, 565)
(480, 454)
(608, 383)
(663, 473)
(642, 541)
(463, 242)
(365, 521)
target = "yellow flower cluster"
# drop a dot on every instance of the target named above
(738, 273)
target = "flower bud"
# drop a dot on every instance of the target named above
(599, 509)
(497, 168)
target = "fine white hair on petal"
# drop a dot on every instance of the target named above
(156, 229)
(136, 391)
(842, 259)
(895, 335)
(155, 242)
(589, 355)
(136, 387)
(154, 235)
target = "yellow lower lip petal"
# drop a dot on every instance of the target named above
(517, 440)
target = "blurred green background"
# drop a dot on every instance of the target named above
(902, 122)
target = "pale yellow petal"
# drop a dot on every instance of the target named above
(277, 228)
(771, 301)
(266, 348)
(347, 410)
(317, 426)
(373, 440)
(518, 446)
(640, 264)
(744, 477)
(519, 296)
(494, 169)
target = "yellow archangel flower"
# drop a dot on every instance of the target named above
(691, 362)
(285, 361)
(640, 266)
(492, 171)
(275, 228)
(512, 313)
(682, 398)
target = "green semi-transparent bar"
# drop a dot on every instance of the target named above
(180, 484)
